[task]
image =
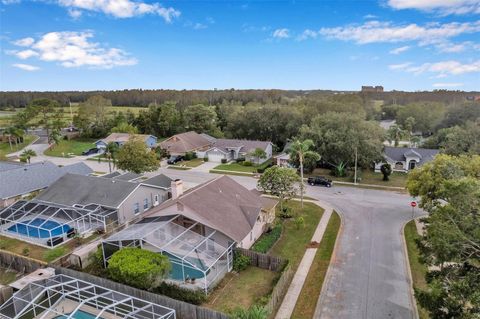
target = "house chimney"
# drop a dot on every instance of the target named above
(177, 188)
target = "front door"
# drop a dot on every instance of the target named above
(412, 164)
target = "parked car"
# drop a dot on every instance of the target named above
(174, 159)
(320, 180)
(91, 151)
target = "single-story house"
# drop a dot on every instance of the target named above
(18, 180)
(122, 138)
(182, 143)
(282, 160)
(231, 149)
(404, 159)
(130, 199)
(197, 229)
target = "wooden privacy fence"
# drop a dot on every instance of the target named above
(279, 291)
(183, 310)
(263, 261)
(19, 263)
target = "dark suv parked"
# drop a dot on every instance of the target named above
(320, 180)
(90, 151)
(174, 159)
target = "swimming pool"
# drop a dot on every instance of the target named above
(79, 314)
(177, 274)
(31, 228)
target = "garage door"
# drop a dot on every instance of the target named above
(215, 156)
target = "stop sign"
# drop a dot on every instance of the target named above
(413, 204)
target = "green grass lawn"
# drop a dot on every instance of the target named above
(75, 146)
(238, 167)
(307, 301)
(241, 290)
(418, 269)
(397, 179)
(7, 277)
(191, 163)
(5, 147)
(293, 241)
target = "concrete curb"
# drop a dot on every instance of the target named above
(409, 271)
(328, 275)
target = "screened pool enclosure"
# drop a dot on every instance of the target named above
(198, 261)
(65, 297)
(48, 224)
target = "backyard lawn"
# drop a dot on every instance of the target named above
(241, 290)
(418, 269)
(75, 146)
(7, 276)
(307, 301)
(293, 241)
(5, 147)
(397, 179)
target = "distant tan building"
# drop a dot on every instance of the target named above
(374, 89)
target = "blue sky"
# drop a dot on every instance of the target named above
(179, 44)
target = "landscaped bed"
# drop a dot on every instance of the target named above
(307, 301)
(242, 289)
(74, 147)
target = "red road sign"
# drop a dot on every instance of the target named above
(413, 204)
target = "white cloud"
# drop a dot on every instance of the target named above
(199, 26)
(281, 33)
(376, 31)
(441, 69)
(448, 47)
(444, 7)
(24, 54)
(6, 2)
(25, 42)
(399, 50)
(74, 13)
(74, 49)
(307, 34)
(122, 8)
(447, 85)
(369, 16)
(26, 67)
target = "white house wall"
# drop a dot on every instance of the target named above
(126, 209)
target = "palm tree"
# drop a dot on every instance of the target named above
(28, 154)
(110, 155)
(302, 150)
(9, 133)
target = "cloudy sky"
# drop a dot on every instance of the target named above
(180, 44)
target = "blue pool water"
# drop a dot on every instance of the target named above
(79, 315)
(176, 272)
(31, 228)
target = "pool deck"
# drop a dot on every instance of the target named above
(66, 306)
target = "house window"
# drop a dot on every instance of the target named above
(136, 208)
(156, 198)
(145, 203)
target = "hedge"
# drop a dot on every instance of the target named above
(267, 240)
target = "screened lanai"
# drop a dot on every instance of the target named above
(65, 297)
(198, 261)
(48, 224)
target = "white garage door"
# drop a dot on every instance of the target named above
(215, 156)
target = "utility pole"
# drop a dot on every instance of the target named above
(356, 158)
(71, 114)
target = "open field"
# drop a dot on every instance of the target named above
(367, 177)
(242, 289)
(7, 116)
(307, 301)
(5, 147)
(74, 146)
(418, 269)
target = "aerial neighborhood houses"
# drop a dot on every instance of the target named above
(404, 159)
(216, 149)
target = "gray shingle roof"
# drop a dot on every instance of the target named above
(245, 146)
(31, 177)
(398, 154)
(159, 180)
(224, 205)
(127, 177)
(73, 189)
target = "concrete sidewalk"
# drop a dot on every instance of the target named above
(290, 300)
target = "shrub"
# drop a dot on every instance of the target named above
(224, 161)
(190, 155)
(254, 312)
(267, 240)
(205, 159)
(286, 212)
(240, 262)
(240, 159)
(196, 297)
(54, 253)
(23, 159)
(247, 163)
(299, 222)
(26, 251)
(138, 267)
(260, 170)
